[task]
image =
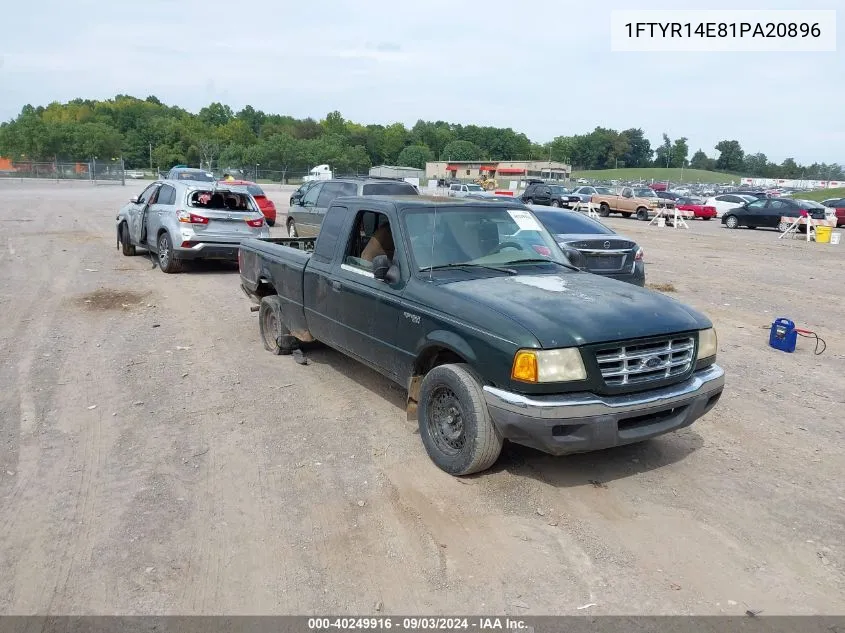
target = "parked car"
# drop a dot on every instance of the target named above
(727, 201)
(459, 190)
(588, 191)
(264, 203)
(306, 217)
(767, 213)
(667, 195)
(760, 195)
(697, 206)
(493, 338)
(837, 206)
(627, 202)
(593, 247)
(189, 173)
(549, 195)
(300, 192)
(181, 219)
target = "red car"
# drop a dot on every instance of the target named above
(264, 203)
(838, 207)
(697, 207)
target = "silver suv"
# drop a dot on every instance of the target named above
(180, 220)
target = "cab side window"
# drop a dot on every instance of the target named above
(371, 236)
(310, 198)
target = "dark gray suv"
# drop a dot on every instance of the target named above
(306, 216)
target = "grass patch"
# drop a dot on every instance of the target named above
(659, 174)
(662, 287)
(820, 194)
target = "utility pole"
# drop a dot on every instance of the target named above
(151, 156)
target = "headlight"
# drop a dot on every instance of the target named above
(707, 343)
(548, 365)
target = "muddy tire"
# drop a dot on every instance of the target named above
(604, 210)
(126, 246)
(454, 423)
(642, 214)
(167, 260)
(275, 336)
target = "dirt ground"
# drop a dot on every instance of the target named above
(154, 459)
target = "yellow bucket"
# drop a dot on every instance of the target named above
(823, 234)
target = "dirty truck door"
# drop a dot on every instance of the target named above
(367, 309)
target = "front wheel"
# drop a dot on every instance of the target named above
(454, 423)
(126, 246)
(292, 229)
(529, 201)
(555, 203)
(642, 214)
(732, 222)
(167, 261)
(604, 210)
(275, 336)
(707, 218)
(783, 227)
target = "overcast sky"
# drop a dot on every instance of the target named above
(542, 68)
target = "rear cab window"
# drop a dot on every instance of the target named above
(392, 189)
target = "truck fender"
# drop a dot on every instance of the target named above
(435, 343)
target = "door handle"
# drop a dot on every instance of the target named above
(336, 285)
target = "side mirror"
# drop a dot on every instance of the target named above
(381, 264)
(134, 199)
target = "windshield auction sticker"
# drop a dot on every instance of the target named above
(524, 220)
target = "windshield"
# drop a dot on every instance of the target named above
(603, 191)
(570, 223)
(645, 193)
(479, 235)
(201, 176)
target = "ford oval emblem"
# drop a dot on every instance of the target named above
(607, 244)
(652, 363)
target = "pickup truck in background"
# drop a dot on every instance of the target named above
(473, 308)
(627, 202)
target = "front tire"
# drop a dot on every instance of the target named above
(732, 222)
(167, 261)
(555, 203)
(270, 223)
(604, 210)
(126, 246)
(783, 227)
(275, 336)
(642, 214)
(455, 426)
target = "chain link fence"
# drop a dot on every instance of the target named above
(95, 171)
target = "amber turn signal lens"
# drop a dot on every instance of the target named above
(524, 367)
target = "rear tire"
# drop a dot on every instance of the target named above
(167, 261)
(270, 222)
(455, 426)
(642, 214)
(604, 210)
(706, 218)
(732, 222)
(126, 246)
(275, 336)
(292, 229)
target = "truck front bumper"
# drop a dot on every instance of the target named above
(581, 422)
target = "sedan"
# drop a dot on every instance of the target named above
(697, 206)
(727, 201)
(592, 246)
(768, 213)
(264, 203)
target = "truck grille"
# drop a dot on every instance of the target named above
(638, 363)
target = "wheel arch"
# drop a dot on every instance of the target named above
(440, 348)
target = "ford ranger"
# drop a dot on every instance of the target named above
(474, 309)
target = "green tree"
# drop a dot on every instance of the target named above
(639, 152)
(680, 151)
(756, 165)
(415, 156)
(393, 141)
(730, 156)
(663, 154)
(283, 152)
(216, 114)
(700, 160)
(461, 150)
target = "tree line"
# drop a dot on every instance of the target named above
(149, 134)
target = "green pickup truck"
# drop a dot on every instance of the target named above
(474, 309)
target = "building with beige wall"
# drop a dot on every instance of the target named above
(466, 170)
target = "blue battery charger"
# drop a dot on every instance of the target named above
(783, 335)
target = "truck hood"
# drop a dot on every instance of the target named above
(568, 309)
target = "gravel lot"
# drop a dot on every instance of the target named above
(154, 459)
